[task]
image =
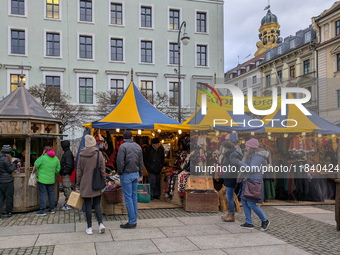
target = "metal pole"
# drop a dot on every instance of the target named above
(179, 74)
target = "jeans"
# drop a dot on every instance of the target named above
(66, 186)
(230, 197)
(129, 182)
(248, 206)
(88, 210)
(155, 184)
(49, 188)
(6, 193)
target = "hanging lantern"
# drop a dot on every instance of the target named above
(162, 141)
(285, 135)
(269, 137)
(333, 135)
(217, 133)
(319, 135)
(117, 130)
(303, 133)
(139, 131)
(252, 133)
(153, 134)
(179, 131)
(159, 130)
(269, 133)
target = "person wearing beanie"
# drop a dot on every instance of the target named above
(229, 177)
(253, 160)
(66, 170)
(87, 162)
(153, 161)
(48, 166)
(130, 168)
(6, 180)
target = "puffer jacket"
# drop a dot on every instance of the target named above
(67, 160)
(130, 158)
(6, 169)
(48, 166)
(229, 178)
(154, 159)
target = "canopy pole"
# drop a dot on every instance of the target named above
(131, 74)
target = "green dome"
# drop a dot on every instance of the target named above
(268, 18)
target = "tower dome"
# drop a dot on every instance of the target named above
(269, 18)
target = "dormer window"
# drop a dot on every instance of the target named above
(248, 68)
(238, 72)
(230, 76)
(292, 44)
(268, 55)
(308, 36)
(279, 49)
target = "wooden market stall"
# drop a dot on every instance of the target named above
(27, 127)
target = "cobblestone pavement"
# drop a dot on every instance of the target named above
(37, 250)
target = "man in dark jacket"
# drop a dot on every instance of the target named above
(66, 170)
(153, 161)
(6, 180)
(130, 168)
(229, 177)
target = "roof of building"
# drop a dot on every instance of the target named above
(325, 13)
(270, 17)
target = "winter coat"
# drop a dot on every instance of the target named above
(6, 169)
(153, 159)
(229, 178)
(130, 158)
(48, 166)
(257, 159)
(86, 164)
(67, 160)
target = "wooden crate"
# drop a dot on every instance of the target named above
(200, 183)
(201, 202)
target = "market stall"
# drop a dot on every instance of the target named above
(27, 127)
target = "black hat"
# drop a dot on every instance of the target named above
(154, 140)
(228, 144)
(127, 135)
(6, 149)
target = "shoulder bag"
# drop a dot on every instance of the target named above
(253, 190)
(98, 183)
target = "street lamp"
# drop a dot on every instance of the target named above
(185, 40)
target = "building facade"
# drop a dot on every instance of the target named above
(327, 26)
(88, 46)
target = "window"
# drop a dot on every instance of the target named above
(254, 79)
(292, 71)
(52, 44)
(17, 41)
(201, 22)
(147, 90)
(85, 90)
(292, 43)
(238, 72)
(146, 51)
(230, 76)
(308, 36)
(255, 93)
(86, 10)
(247, 68)
(174, 19)
(173, 53)
(53, 87)
(146, 16)
(85, 47)
(309, 89)
(52, 9)
(268, 80)
(338, 96)
(337, 27)
(201, 55)
(279, 49)
(236, 84)
(15, 80)
(279, 76)
(268, 55)
(116, 14)
(117, 90)
(244, 83)
(306, 66)
(116, 49)
(338, 61)
(173, 93)
(18, 7)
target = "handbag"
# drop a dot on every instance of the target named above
(144, 193)
(98, 182)
(253, 190)
(33, 180)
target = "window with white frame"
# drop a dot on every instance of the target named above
(337, 27)
(306, 66)
(52, 9)
(292, 44)
(15, 80)
(52, 44)
(173, 53)
(146, 16)
(85, 8)
(236, 84)
(18, 42)
(53, 87)
(254, 93)
(85, 47)
(174, 19)
(268, 80)
(308, 36)
(117, 13)
(146, 51)
(254, 79)
(18, 7)
(338, 97)
(201, 52)
(173, 93)
(244, 83)
(238, 72)
(247, 68)
(230, 76)
(147, 90)
(279, 76)
(85, 90)
(279, 50)
(116, 89)
(268, 55)
(201, 22)
(117, 49)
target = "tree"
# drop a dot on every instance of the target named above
(105, 101)
(57, 103)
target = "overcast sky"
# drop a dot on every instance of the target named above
(242, 20)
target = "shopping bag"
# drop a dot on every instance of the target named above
(143, 193)
(75, 200)
(33, 180)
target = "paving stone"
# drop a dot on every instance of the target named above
(136, 234)
(201, 252)
(192, 230)
(36, 229)
(82, 226)
(200, 220)
(126, 247)
(84, 249)
(155, 223)
(265, 250)
(301, 209)
(233, 228)
(15, 242)
(175, 244)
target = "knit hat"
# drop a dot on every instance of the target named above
(228, 144)
(90, 141)
(6, 149)
(154, 140)
(127, 135)
(253, 143)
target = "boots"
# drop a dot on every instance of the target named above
(230, 217)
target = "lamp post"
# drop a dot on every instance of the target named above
(185, 40)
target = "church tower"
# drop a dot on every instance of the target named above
(269, 33)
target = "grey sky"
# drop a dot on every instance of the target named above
(242, 20)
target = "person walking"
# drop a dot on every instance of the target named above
(66, 170)
(130, 169)
(153, 161)
(48, 166)
(6, 180)
(87, 162)
(229, 177)
(253, 160)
